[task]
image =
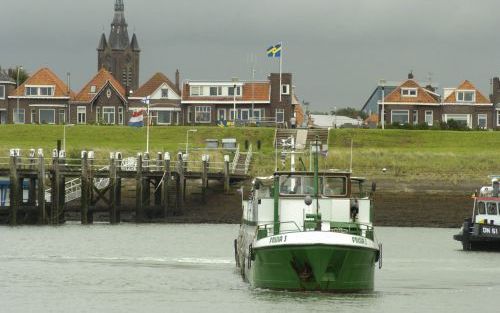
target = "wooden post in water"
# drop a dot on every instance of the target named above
(15, 192)
(181, 184)
(118, 185)
(42, 212)
(164, 188)
(139, 193)
(55, 184)
(85, 185)
(146, 182)
(158, 181)
(62, 187)
(204, 176)
(32, 179)
(226, 174)
(113, 218)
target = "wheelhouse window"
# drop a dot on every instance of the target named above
(400, 116)
(296, 185)
(108, 115)
(334, 186)
(491, 208)
(409, 92)
(481, 208)
(202, 114)
(47, 116)
(466, 96)
(429, 117)
(81, 115)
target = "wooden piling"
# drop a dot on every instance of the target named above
(146, 183)
(158, 181)
(84, 182)
(32, 180)
(15, 192)
(204, 177)
(166, 180)
(226, 174)
(181, 184)
(42, 212)
(112, 190)
(118, 186)
(139, 193)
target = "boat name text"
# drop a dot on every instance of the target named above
(359, 240)
(492, 231)
(277, 239)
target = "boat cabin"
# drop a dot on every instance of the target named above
(290, 197)
(487, 204)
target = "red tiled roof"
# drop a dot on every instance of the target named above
(256, 91)
(99, 80)
(153, 84)
(423, 95)
(467, 85)
(44, 76)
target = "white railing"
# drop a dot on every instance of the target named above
(235, 160)
(248, 159)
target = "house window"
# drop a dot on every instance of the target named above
(466, 96)
(98, 116)
(120, 116)
(47, 116)
(81, 115)
(33, 116)
(19, 119)
(409, 92)
(2, 92)
(164, 117)
(190, 114)
(415, 117)
(46, 91)
(221, 114)
(230, 91)
(108, 115)
(196, 90)
(257, 115)
(31, 91)
(482, 121)
(244, 114)
(93, 89)
(280, 115)
(400, 116)
(498, 118)
(62, 116)
(216, 91)
(463, 119)
(164, 93)
(231, 115)
(202, 114)
(285, 89)
(429, 117)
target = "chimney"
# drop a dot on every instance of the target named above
(410, 75)
(177, 79)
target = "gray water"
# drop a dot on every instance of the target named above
(190, 268)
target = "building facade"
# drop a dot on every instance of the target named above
(119, 54)
(7, 85)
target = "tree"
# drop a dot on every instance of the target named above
(350, 112)
(12, 72)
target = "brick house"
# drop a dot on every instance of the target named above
(43, 99)
(212, 102)
(164, 98)
(7, 85)
(495, 99)
(101, 101)
(412, 104)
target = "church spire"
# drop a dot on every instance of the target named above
(118, 38)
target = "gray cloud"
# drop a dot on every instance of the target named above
(337, 49)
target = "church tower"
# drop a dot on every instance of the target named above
(119, 54)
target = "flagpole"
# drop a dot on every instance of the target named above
(281, 67)
(147, 129)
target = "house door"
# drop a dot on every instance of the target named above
(3, 117)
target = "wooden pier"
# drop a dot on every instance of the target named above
(53, 183)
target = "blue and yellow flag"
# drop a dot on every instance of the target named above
(274, 51)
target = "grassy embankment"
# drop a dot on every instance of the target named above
(407, 155)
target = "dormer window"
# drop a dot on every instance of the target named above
(409, 92)
(93, 89)
(216, 91)
(230, 91)
(196, 90)
(45, 91)
(164, 93)
(466, 96)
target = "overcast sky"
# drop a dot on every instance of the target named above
(337, 50)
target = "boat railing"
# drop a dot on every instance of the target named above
(351, 228)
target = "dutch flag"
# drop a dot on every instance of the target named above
(137, 119)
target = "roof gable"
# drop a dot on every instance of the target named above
(100, 80)
(423, 95)
(152, 85)
(467, 85)
(44, 77)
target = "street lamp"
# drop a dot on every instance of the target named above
(17, 87)
(382, 114)
(234, 101)
(187, 138)
(64, 134)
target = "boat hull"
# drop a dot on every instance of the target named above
(314, 267)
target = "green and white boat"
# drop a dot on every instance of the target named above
(308, 231)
